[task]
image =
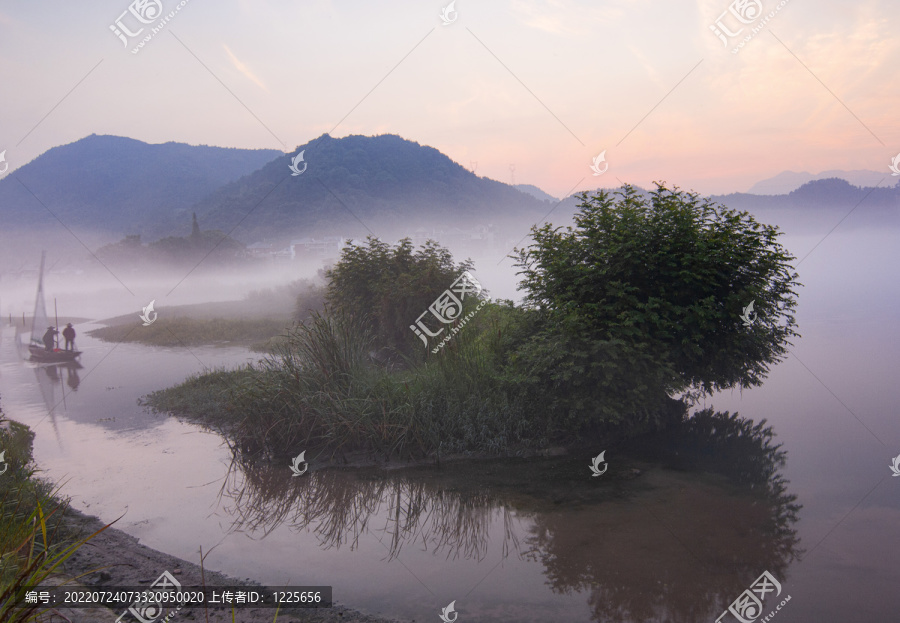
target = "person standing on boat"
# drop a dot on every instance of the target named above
(69, 334)
(48, 338)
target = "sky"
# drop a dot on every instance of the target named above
(523, 91)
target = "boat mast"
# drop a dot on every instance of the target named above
(40, 293)
(56, 313)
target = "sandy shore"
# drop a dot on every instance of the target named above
(113, 558)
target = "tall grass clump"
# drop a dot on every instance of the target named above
(324, 388)
(465, 398)
(33, 543)
(321, 388)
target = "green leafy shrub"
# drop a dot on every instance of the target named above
(387, 287)
(642, 300)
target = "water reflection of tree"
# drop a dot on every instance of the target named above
(669, 555)
(696, 571)
(339, 506)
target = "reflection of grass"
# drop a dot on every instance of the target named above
(183, 331)
(337, 506)
(548, 506)
(33, 544)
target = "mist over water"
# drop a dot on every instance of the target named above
(192, 170)
(85, 287)
(179, 488)
(834, 404)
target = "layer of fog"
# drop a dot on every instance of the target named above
(84, 287)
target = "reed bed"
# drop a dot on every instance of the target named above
(322, 388)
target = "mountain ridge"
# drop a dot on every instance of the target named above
(119, 184)
(352, 186)
(788, 181)
(355, 183)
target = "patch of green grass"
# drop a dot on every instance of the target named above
(270, 345)
(322, 388)
(184, 331)
(209, 397)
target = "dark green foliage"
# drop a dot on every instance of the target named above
(387, 287)
(638, 303)
(642, 300)
(321, 389)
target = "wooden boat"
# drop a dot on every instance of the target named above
(41, 354)
(37, 348)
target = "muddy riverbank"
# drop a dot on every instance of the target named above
(114, 558)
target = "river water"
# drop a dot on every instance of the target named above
(515, 540)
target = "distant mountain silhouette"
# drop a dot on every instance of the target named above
(352, 186)
(534, 191)
(357, 184)
(121, 185)
(788, 181)
(817, 195)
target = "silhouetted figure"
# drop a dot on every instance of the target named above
(48, 338)
(69, 334)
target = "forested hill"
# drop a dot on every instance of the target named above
(353, 184)
(120, 185)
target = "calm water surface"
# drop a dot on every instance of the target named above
(536, 540)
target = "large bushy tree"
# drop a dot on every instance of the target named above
(643, 299)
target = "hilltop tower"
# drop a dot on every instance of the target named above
(195, 230)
